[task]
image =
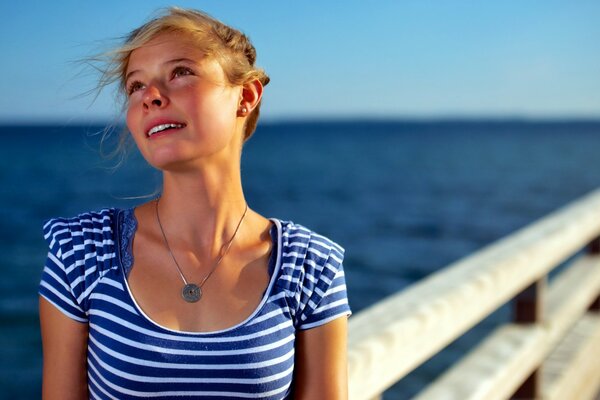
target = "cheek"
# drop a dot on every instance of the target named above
(133, 122)
(135, 129)
(227, 104)
(216, 112)
(129, 118)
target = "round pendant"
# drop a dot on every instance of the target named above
(191, 293)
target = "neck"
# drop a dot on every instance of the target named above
(200, 210)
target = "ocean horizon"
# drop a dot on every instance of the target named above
(405, 198)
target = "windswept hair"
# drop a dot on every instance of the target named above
(228, 46)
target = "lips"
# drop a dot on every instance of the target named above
(162, 126)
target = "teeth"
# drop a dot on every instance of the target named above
(160, 128)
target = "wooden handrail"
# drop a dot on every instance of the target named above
(495, 369)
(396, 335)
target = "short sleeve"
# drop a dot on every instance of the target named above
(57, 279)
(322, 293)
(81, 252)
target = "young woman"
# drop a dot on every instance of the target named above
(193, 294)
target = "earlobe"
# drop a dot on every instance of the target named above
(250, 96)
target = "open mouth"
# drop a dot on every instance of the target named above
(163, 128)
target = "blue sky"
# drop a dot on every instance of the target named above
(335, 59)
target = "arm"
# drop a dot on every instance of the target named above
(321, 363)
(64, 344)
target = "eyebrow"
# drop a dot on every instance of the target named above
(173, 61)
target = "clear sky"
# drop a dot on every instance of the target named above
(332, 59)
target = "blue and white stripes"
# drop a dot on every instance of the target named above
(132, 357)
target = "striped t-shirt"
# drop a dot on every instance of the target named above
(130, 356)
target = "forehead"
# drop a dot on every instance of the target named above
(163, 48)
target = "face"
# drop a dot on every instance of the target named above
(181, 110)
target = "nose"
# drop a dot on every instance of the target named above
(154, 98)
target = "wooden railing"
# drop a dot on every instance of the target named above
(550, 351)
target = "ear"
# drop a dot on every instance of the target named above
(250, 97)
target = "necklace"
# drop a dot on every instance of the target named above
(192, 292)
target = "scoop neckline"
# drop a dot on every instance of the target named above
(132, 228)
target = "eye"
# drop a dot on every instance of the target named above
(134, 87)
(181, 71)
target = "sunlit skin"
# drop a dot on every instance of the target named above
(170, 80)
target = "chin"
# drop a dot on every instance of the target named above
(189, 158)
(177, 165)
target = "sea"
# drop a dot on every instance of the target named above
(404, 197)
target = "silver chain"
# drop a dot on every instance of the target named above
(222, 252)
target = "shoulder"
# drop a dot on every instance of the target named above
(86, 232)
(312, 275)
(82, 250)
(86, 222)
(306, 243)
(305, 251)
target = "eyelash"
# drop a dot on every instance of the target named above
(177, 71)
(133, 86)
(188, 71)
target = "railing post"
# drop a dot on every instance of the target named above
(593, 248)
(529, 310)
(595, 306)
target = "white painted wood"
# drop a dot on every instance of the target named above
(573, 292)
(391, 338)
(495, 369)
(572, 370)
(498, 366)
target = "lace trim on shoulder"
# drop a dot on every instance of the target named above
(128, 228)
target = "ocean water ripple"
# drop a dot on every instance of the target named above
(404, 198)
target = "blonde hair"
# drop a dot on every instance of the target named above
(230, 47)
